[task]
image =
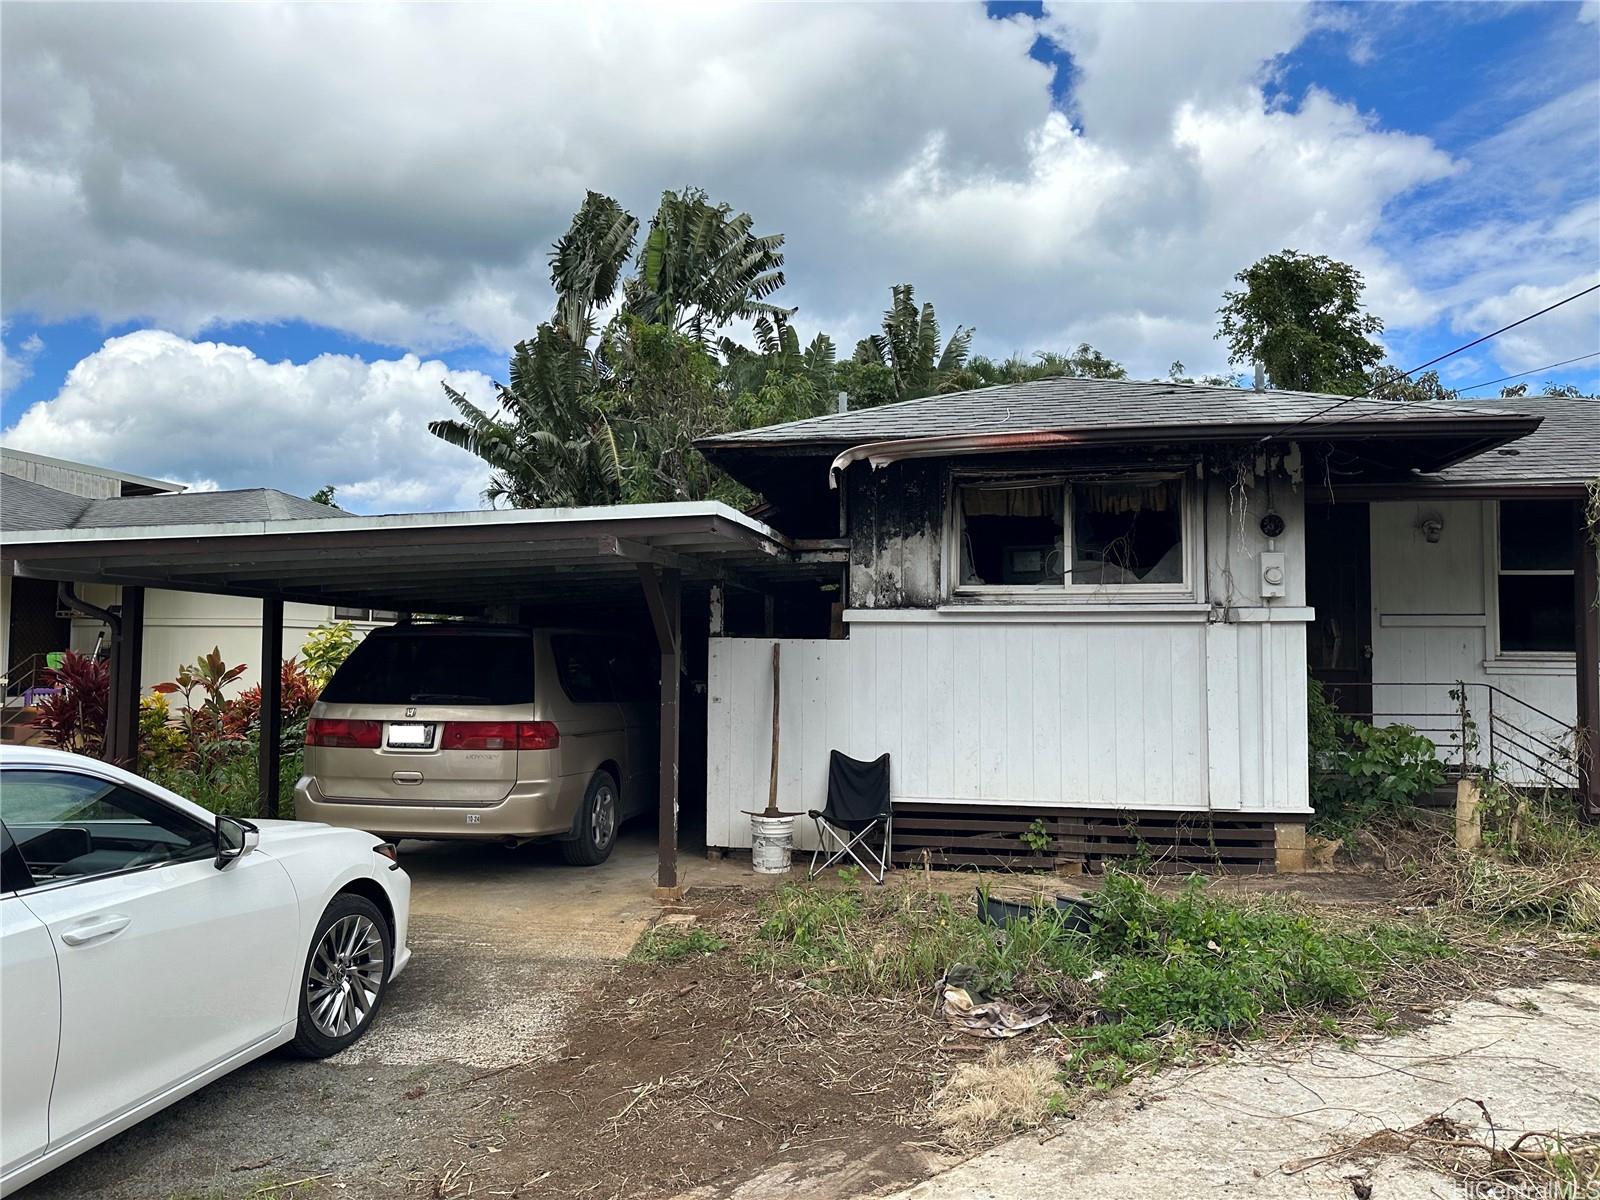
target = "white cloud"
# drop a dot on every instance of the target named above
(161, 405)
(398, 172)
(17, 365)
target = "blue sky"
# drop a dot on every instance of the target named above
(1046, 175)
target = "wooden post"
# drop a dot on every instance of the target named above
(269, 761)
(127, 666)
(663, 594)
(1588, 647)
(772, 777)
(1469, 827)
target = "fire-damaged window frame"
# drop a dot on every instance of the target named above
(1499, 659)
(1066, 592)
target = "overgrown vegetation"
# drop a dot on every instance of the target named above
(1154, 970)
(666, 944)
(1362, 772)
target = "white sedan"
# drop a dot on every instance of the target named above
(148, 947)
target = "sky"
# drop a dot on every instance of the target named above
(243, 245)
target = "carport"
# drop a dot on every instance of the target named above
(539, 565)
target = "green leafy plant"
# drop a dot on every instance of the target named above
(1036, 836)
(1359, 771)
(325, 649)
(668, 945)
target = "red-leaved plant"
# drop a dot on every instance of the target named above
(73, 717)
(299, 694)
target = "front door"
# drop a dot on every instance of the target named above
(167, 965)
(1339, 588)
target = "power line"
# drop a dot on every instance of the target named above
(1537, 370)
(1367, 395)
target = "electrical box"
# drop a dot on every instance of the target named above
(1274, 575)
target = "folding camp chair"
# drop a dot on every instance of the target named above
(858, 803)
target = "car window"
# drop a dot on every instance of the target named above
(428, 667)
(581, 668)
(70, 826)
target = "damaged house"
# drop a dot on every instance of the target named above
(1079, 614)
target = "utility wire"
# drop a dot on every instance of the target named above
(1521, 374)
(1367, 395)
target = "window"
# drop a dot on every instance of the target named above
(341, 613)
(1086, 534)
(1535, 588)
(581, 668)
(67, 826)
(436, 666)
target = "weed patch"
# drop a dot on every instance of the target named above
(669, 945)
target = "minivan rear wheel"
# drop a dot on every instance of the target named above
(597, 824)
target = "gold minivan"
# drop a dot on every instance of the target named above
(453, 730)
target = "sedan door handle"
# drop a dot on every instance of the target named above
(111, 923)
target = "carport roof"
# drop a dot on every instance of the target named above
(429, 562)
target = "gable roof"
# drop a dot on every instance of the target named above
(26, 505)
(1126, 409)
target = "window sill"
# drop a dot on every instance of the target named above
(1036, 612)
(1511, 664)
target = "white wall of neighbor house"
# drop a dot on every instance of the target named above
(179, 627)
(1102, 702)
(1435, 612)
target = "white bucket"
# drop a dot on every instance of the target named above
(772, 839)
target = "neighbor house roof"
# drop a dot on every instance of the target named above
(27, 505)
(132, 484)
(1564, 450)
(1125, 409)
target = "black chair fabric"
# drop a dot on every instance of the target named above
(858, 792)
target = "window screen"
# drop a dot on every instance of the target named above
(427, 667)
(1535, 591)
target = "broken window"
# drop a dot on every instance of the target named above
(1011, 534)
(1535, 588)
(1059, 533)
(1127, 533)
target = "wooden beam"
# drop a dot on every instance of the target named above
(127, 665)
(1588, 647)
(663, 593)
(269, 760)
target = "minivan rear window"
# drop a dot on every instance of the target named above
(433, 668)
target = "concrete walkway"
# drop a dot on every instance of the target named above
(1531, 1056)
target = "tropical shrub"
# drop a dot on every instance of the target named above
(1361, 771)
(161, 740)
(325, 649)
(73, 717)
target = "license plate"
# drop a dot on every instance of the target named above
(411, 736)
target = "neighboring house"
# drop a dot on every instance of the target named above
(38, 492)
(1094, 603)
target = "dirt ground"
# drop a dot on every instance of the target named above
(521, 1056)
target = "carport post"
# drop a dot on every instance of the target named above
(269, 760)
(127, 666)
(663, 593)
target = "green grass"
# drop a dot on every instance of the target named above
(1155, 973)
(670, 945)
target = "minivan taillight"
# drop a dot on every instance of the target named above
(499, 735)
(336, 731)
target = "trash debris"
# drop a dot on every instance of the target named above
(990, 1018)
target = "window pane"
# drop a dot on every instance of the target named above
(439, 666)
(1538, 535)
(1127, 532)
(341, 613)
(67, 826)
(1536, 612)
(580, 665)
(1011, 535)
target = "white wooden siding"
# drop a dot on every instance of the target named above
(1431, 610)
(1176, 714)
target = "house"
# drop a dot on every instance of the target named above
(1085, 609)
(40, 492)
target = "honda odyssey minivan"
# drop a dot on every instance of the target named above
(452, 730)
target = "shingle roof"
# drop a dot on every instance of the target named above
(1565, 449)
(28, 505)
(1101, 405)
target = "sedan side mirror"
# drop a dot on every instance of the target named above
(235, 839)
